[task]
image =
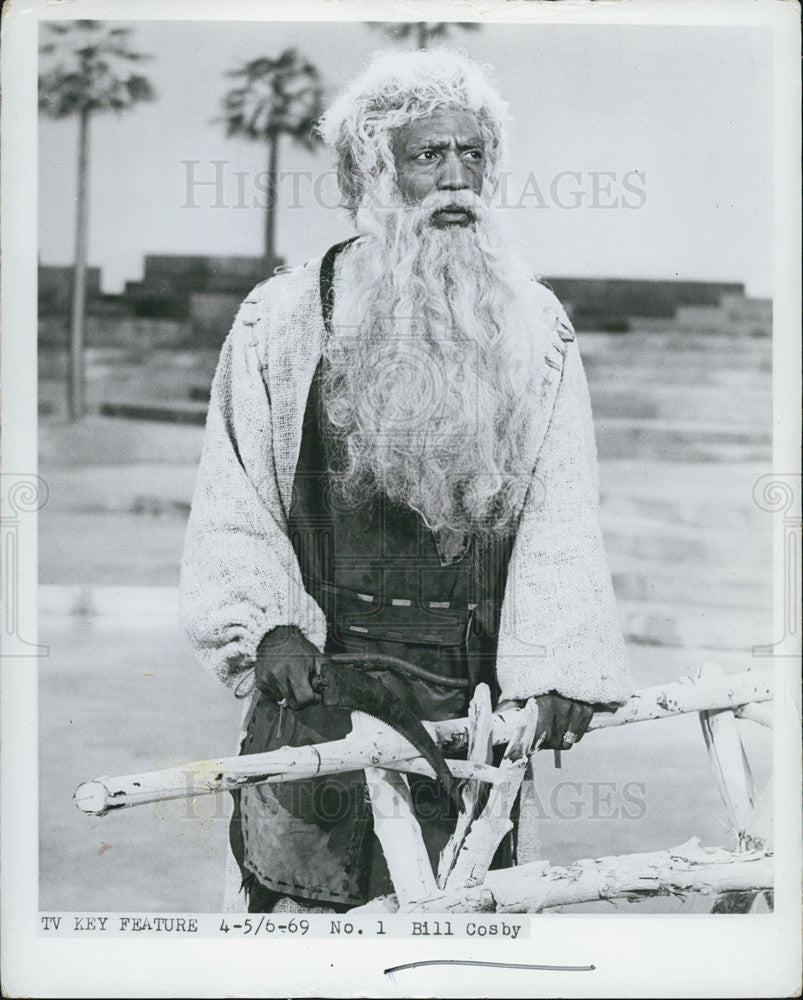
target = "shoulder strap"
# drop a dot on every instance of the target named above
(327, 283)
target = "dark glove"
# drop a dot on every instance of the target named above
(283, 666)
(559, 717)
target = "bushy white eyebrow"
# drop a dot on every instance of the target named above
(439, 142)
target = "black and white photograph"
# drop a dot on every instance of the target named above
(402, 534)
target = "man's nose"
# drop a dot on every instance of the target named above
(453, 175)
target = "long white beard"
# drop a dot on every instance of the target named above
(427, 373)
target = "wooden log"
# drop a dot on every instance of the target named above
(728, 760)
(349, 754)
(751, 901)
(687, 694)
(395, 824)
(224, 774)
(400, 836)
(480, 750)
(761, 826)
(762, 714)
(487, 831)
(535, 887)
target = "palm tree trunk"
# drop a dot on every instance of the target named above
(270, 209)
(76, 393)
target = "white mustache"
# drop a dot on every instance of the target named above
(461, 200)
(440, 201)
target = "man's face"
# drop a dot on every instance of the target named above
(442, 152)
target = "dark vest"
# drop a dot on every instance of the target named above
(385, 581)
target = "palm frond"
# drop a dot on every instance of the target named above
(274, 96)
(422, 31)
(88, 69)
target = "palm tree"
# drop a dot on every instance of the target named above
(423, 32)
(274, 97)
(90, 69)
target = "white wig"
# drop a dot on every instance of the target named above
(396, 89)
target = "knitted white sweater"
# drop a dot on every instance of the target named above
(240, 578)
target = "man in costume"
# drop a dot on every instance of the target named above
(399, 459)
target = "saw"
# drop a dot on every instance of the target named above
(340, 685)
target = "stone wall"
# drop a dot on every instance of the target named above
(117, 331)
(55, 287)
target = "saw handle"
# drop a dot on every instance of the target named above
(371, 662)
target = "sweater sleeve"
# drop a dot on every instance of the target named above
(239, 574)
(559, 629)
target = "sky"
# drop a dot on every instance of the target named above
(640, 152)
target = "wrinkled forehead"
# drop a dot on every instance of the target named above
(440, 128)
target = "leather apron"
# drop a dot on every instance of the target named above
(386, 584)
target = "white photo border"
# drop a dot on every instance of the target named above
(652, 955)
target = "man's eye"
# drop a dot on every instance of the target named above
(474, 154)
(427, 154)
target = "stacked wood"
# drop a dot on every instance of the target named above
(487, 830)
(731, 768)
(395, 824)
(465, 884)
(390, 750)
(532, 888)
(480, 750)
(400, 836)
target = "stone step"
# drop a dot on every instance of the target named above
(692, 584)
(682, 440)
(743, 305)
(664, 623)
(682, 343)
(169, 413)
(665, 542)
(138, 488)
(729, 319)
(106, 441)
(676, 372)
(742, 326)
(710, 403)
(645, 359)
(717, 511)
(708, 489)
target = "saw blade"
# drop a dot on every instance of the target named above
(342, 686)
